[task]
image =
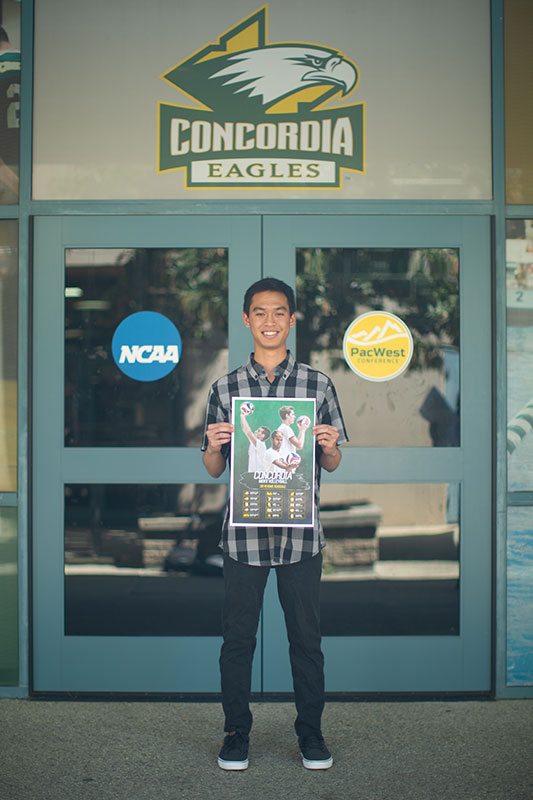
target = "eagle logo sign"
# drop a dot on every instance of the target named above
(262, 119)
(277, 71)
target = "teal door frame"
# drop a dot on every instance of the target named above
(107, 664)
(406, 663)
(189, 664)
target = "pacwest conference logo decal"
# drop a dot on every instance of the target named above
(262, 125)
(378, 346)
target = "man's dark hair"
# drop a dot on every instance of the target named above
(269, 285)
(3, 34)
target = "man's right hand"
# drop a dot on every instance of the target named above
(218, 434)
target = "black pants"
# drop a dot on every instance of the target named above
(298, 591)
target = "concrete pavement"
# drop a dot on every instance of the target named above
(81, 750)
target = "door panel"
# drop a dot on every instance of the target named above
(127, 576)
(407, 513)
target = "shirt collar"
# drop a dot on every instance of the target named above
(283, 369)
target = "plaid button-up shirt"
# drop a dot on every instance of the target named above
(273, 546)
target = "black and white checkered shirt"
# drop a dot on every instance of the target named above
(264, 547)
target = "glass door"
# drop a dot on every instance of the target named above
(407, 515)
(134, 319)
(126, 573)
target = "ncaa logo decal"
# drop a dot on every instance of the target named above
(378, 346)
(263, 122)
(146, 346)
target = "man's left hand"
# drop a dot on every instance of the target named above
(326, 436)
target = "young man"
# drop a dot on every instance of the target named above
(257, 449)
(290, 442)
(273, 455)
(250, 553)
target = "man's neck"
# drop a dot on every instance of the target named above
(270, 360)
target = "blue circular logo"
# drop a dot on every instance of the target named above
(146, 346)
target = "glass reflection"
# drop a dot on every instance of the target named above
(9, 656)
(391, 564)
(143, 560)
(519, 597)
(420, 407)
(104, 407)
(8, 354)
(518, 23)
(9, 101)
(519, 278)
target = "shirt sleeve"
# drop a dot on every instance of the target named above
(215, 412)
(330, 413)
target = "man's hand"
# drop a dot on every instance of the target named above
(327, 436)
(218, 434)
(280, 464)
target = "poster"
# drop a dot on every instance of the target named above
(272, 462)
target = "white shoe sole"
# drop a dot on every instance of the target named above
(324, 763)
(232, 765)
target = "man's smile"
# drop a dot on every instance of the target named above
(269, 321)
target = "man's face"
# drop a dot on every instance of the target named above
(269, 319)
(291, 416)
(277, 439)
(261, 434)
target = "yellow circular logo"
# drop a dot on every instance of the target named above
(378, 346)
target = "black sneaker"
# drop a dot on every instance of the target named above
(234, 753)
(315, 754)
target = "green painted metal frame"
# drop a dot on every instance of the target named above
(22, 213)
(412, 664)
(113, 664)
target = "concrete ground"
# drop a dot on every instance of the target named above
(80, 750)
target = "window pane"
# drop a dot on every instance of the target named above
(103, 405)
(143, 560)
(8, 597)
(520, 353)
(391, 563)
(8, 354)
(420, 407)
(427, 129)
(519, 597)
(9, 101)
(518, 111)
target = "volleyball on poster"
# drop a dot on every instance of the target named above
(272, 481)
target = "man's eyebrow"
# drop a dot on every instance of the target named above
(276, 308)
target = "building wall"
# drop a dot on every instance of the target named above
(427, 138)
